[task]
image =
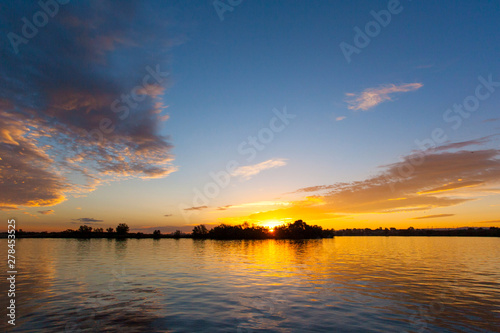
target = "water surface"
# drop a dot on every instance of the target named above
(346, 284)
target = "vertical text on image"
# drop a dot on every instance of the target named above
(11, 272)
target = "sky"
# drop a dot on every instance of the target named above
(168, 114)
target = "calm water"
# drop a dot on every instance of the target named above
(346, 284)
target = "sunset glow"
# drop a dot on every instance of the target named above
(250, 166)
(271, 224)
(188, 127)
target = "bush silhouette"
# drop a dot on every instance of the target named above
(200, 231)
(122, 229)
(298, 230)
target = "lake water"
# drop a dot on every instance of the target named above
(345, 284)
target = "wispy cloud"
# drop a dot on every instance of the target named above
(446, 178)
(248, 171)
(7, 207)
(167, 215)
(26, 213)
(196, 208)
(491, 221)
(89, 220)
(490, 120)
(255, 204)
(46, 212)
(432, 216)
(224, 207)
(340, 118)
(372, 97)
(453, 186)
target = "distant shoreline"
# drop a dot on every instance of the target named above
(459, 232)
(296, 230)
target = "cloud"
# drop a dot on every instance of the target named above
(443, 178)
(224, 207)
(490, 120)
(371, 97)
(492, 221)
(167, 215)
(433, 184)
(256, 204)
(196, 208)
(432, 216)
(462, 144)
(8, 208)
(246, 172)
(340, 118)
(26, 213)
(453, 186)
(65, 125)
(318, 188)
(87, 219)
(46, 212)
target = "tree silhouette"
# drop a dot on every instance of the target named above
(299, 230)
(122, 229)
(84, 229)
(200, 231)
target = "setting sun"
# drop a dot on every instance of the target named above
(271, 224)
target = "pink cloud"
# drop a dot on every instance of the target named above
(372, 97)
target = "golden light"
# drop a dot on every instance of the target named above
(271, 224)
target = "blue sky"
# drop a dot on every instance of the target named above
(225, 79)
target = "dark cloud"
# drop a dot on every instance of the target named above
(66, 110)
(490, 120)
(224, 207)
(196, 208)
(432, 216)
(86, 220)
(167, 215)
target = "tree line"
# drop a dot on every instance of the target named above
(296, 230)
